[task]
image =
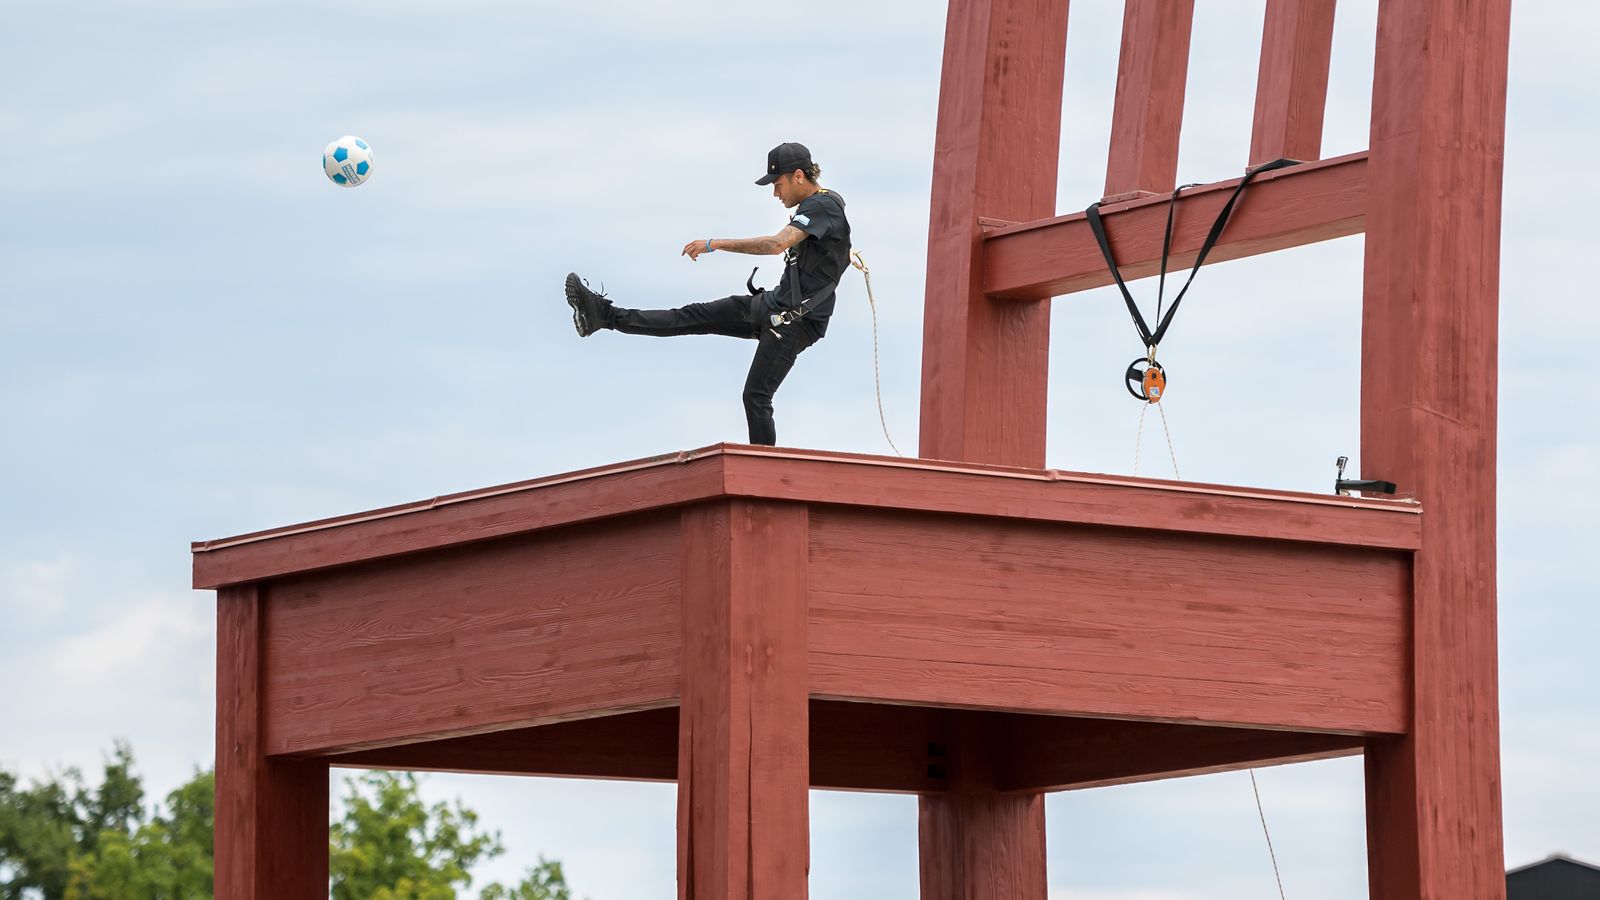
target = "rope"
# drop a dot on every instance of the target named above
(1264, 831)
(1254, 788)
(860, 262)
(1138, 440)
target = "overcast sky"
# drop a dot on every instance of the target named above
(201, 336)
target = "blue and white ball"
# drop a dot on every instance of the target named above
(348, 161)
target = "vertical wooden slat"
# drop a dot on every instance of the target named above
(1148, 117)
(1428, 395)
(975, 842)
(271, 814)
(1292, 84)
(984, 362)
(744, 758)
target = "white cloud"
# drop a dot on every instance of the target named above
(129, 639)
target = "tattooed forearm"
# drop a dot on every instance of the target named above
(758, 246)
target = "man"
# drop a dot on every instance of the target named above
(785, 320)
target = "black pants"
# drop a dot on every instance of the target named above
(740, 316)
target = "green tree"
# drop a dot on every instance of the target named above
(390, 845)
(60, 840)
(168, 857)
(543, 882)
(45, 826)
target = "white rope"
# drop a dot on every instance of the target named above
(860, 262)
(1138, 440)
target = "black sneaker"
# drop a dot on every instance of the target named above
(590, 311)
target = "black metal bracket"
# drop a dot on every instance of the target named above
(1346, 486)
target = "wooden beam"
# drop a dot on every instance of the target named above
(1027, 617)
(976, 842)
(743, 772)
(622, 493)
(1429, 353)
(854, 746)
(1080, 499)
(1052, 753)
(1280, 209)
(271, 814)
(503, 634)
(1148, 116)
(984, 364)
(566, 499)
(641, 746)
(1292, 84)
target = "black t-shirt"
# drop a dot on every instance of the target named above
(822, 257)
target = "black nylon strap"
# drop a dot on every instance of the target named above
(1097, 226)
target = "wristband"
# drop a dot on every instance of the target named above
(708, 246)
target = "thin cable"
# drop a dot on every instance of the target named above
(1268, 833)
(860, 262)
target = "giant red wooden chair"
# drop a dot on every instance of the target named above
(967, 626)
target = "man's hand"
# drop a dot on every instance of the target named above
(693, 249)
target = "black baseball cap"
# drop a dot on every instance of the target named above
(783, 159)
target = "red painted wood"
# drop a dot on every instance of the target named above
(498, 635)
(566, 499)
(1428, 393)
(641, 746)
(1292, 85)
(271, 814)
(995, 156)
(1148, 116)
(1019, 616)
(805, 476)
(1280, 209)
(1066, 497)
(743, 770)
(975, 842)
(853, 746)
(1054, 753)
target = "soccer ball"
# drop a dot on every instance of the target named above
(348, 161)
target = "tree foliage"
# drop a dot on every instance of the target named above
(62, 840)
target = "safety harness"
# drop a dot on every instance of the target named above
(805, 305)
(1146, 378)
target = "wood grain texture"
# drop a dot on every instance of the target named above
(1148, 115)
(570, 498)
(1055, 753)
(1016, 616)
(271, 836)
(996, 150)
(640, 746)
(725, 470)
(1076, 498)
(506, 634)
(974, 841)
(854, 746)
(743, 768)
(1428, 422)
(1292, 84)
(1280, 209)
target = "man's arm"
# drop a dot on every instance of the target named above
(757, 246)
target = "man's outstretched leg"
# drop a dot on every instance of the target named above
(592, 311)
